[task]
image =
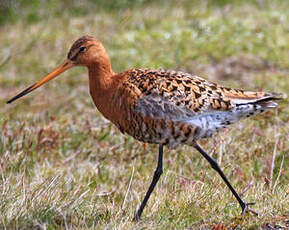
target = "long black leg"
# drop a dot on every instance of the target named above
(215, 166)
(157, 175)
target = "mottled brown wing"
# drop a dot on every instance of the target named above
(173, 107)
(175, 95)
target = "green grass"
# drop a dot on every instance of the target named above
(63, 165)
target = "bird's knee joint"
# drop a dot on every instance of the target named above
(158, 172)
(215, 165)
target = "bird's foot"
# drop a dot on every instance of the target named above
(245, 209)
(136, 217)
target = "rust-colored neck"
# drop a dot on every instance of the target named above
(102, 84)
(100, 74)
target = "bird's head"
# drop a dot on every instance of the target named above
(85, 51)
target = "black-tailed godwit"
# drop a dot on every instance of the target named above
(161, 107)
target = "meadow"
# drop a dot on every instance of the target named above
(64, 166)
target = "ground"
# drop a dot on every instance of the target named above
(63, 165)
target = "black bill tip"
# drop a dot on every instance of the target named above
(23, 93)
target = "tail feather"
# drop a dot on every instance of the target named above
(244, 105)
(253, 103)
(254, 97)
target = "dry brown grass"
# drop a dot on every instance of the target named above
(63, 165)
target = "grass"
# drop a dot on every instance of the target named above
(63, 165)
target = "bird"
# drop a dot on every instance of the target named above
(164, 107)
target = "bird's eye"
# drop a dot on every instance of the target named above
(82, 49)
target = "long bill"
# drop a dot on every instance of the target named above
(60, 69)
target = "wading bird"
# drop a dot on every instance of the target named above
(161, 107)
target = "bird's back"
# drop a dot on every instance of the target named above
(171, 107)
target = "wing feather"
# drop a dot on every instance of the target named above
(180, 97)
